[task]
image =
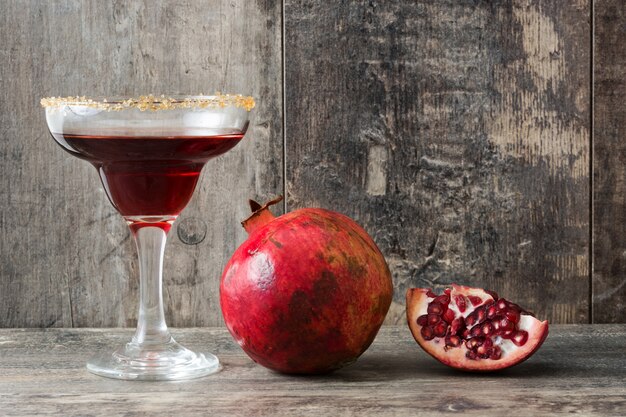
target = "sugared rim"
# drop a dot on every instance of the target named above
(153, 103)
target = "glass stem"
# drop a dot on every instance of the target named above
(151, 327)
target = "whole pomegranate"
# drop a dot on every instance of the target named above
(307, 291)
(473, 329)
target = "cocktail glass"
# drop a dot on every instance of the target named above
(149, 152)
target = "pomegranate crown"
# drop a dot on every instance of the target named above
(261, 214)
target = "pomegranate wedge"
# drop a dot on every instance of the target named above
(472, 329)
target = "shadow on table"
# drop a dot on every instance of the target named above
(396, 368)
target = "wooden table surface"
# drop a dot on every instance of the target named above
(581, 369)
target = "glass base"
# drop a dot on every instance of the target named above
(163, 362)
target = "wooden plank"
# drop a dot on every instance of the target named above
(609, 162)
(456, 132)
(578, 370)
(66, 256)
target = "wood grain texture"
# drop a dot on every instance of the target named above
(609, 163)
(456, 132)
(66, 257)
(579, 370)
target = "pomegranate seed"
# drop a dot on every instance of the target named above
(496, 353)
(476, 331)
(493, 294)
(422, 320)
(430, 293)
(471, 344)
(508, 334)
(506, 325)
(447, 291)
(460, 303)
(465, 334)
(488, 342)
(433, 319)
(428, 333)
(458, 325)
(470, 320)
(483, 352)
(475, 300)
(502, 304)
(448, 316)
(492, 310)
(470, 354)
(440, 329)
(442, 299)
(520, 338)
(487, 328)
(435, 308)
(512, 315)
(480, 315)
(496, 325)
(453, 341)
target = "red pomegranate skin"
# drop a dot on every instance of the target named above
(306, 293)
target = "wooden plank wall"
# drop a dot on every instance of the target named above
(458, 132)
(609, 160)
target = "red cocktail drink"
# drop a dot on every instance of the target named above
(148, 176)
